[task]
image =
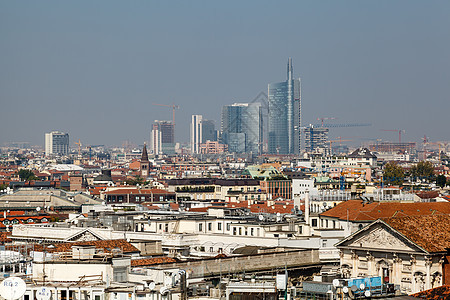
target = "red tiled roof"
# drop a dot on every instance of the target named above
(105, 245)
(441, 292)
(152, 261)
(137, 191)
(356, 210)
(431, 232)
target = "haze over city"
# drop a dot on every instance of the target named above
(93, 69)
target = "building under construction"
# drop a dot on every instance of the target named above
(316, 138)
(392, 147)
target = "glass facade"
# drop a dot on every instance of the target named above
(242, 127)
(285, 115)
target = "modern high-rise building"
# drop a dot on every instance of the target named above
(242, 127)
(162, 139)
(201, 131)
(316, 139)
(209, 132)
(56, 143)
(284, 136)
(196, 133)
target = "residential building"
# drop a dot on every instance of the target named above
(56, 143)
(285, 115)
(213, 147)
(242, 127)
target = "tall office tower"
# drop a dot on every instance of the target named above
(196, 133)
(316, 138)
(285, 115)
(242, 127)
(56, 143)
(209, 132)
(162, 138)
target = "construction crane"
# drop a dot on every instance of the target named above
(396, 130)
(342, 125)
(326, 118)
(79, 147)
(173, 110)
(439, 144)
(340, 140)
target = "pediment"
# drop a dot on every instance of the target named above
(381, 237)
(84, 236)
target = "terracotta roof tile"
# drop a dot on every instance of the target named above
(441, 292)
(152, 261)
(356, 210)
(105, 245)
(431, 232)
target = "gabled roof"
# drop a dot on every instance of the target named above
(362, 153)
(431, 234)
(358, 211)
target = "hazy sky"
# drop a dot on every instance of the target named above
(94, 68)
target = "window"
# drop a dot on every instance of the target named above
(219, 226)
(257, 231)
(240, 230)
(160, 226)
(251, 231)
(166, 228)
(120, 198)
(314, 222)
(228, 226)
(300, 229)
(234, 230)
(209, 226)
(200, 227)
(211, 249)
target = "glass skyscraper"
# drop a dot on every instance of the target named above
(242, 128)
(285, 115)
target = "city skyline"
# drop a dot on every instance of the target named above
(74, 67)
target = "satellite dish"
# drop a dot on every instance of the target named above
(278, 214)
(367, 293)
(152, 285)
(38, 208)
(13, 288)
(345, 289)
(261, 217)
(335, 282)
(362, 286)
(43, 293)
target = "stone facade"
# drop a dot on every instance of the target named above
(379, 250)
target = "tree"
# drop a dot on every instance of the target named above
(26, 175)
(441, 180)
(423, 170)
(393, 174)
(136, 180)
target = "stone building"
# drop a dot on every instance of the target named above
(411, 252)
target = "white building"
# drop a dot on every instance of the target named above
(196, 133)
(56, 143)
